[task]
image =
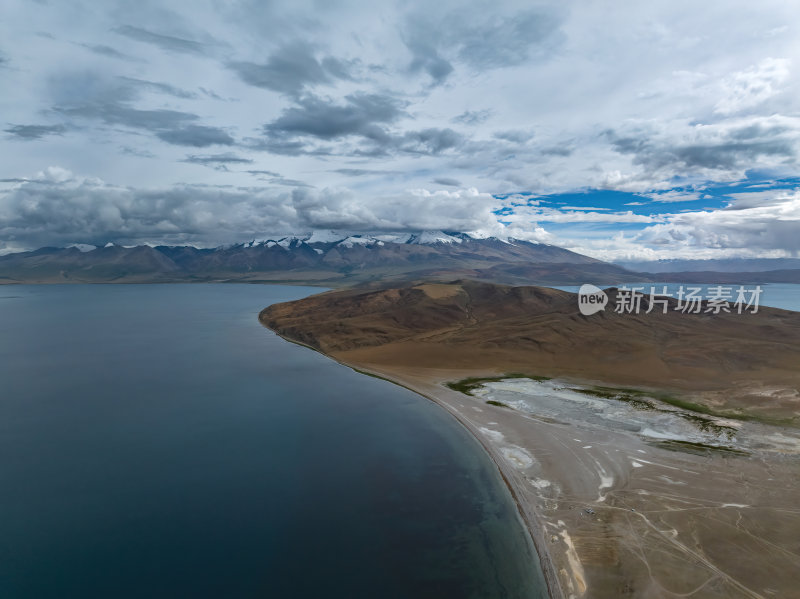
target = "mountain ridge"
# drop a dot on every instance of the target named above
(343, 259)
(323, 258)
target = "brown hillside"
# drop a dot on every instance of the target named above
(483, 328)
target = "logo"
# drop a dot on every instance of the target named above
(591, 299)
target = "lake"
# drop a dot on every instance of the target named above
(156, 441)
(775, 295)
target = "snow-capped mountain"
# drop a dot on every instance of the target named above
(348, 239)
(332, 257)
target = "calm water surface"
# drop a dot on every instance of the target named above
(156, 441)
(775, 295)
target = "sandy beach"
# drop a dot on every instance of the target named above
(650, 456)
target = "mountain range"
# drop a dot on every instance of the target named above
(337, 259)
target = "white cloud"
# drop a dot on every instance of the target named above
(225, 120)
(672, 196)
(752, 86)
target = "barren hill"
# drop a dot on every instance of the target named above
(473, 327)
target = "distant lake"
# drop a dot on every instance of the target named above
(775, 295)
(156, 441)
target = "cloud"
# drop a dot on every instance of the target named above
(425, 56)
(730, 147)
(752, 86)
(108, 51)
(363, 172)
(29, 132)
(360, 114)
(259, 172)
(366, 116)
(291, 69)
(227, 158)
(198, 136)
(473, 117)
(414, 210)
(503, 41)
(672, 196)
(504, 96)
(769, 225)
(58, 207)
(110, 101)
(438, 41)
(571, 214)
(429, 141)
(514, 136)
(164, 88)
(165, 42)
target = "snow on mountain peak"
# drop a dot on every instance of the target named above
(357, 240)
(83, 247)
(326, 236)
(431, 237)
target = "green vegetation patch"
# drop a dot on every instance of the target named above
(637, 398)
(467, 385)
(499, 404)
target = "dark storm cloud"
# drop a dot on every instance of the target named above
(198, 136)
(165, 42)
(28, 132)
(447, 181)
(291, 69)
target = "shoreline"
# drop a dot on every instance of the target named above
(530, 519)
(527, 513)
(613, 504)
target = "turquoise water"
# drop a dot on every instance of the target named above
(156, 441)
(775, 295)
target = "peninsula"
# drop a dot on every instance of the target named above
(651, 454)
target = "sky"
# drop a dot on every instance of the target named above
(622, 130)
